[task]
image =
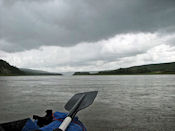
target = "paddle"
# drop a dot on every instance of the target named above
(76, 103)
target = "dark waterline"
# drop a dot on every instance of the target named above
(144, 102)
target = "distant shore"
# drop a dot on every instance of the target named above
(29, 75)
(151, 69)
(8, 70)
(126, 74)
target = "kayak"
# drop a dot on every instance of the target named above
(28, 124)
(57, 121)
(14, 125)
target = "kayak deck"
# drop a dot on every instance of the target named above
(13, 126)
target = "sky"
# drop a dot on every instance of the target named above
(86, 35)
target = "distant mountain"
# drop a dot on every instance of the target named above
(163, 68)
(37, 72)
(7, 70)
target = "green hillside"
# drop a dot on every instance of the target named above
(37, 72)
(163, 68)
(7, 69)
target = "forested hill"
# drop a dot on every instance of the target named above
(37, 72)
(7, 69)
(163, 68)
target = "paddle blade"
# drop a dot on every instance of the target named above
(86, 101)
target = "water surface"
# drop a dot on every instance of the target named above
(124, 103)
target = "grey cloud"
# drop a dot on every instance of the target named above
(26, 24)
(136, 49)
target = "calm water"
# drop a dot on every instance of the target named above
(124, 103)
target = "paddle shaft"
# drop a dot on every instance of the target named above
(71, 115)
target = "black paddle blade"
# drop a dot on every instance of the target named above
(88, 98)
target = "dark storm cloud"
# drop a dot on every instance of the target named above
(27, 24)
(119, 51)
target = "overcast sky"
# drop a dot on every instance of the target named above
(86, 35)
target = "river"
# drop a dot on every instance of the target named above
(124, 102)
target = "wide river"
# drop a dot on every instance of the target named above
(124, 103)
